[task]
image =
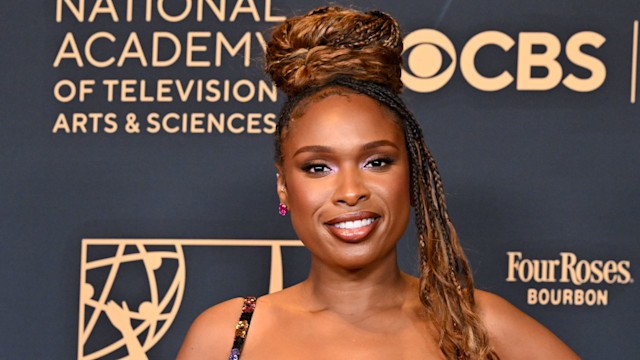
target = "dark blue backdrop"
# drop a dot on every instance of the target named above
(537, 172)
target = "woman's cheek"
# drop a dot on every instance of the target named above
(306, 196)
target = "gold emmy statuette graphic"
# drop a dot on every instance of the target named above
(133, 326)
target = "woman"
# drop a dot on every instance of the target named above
(351, 163)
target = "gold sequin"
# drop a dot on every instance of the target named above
(241, 328)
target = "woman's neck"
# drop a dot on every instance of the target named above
(355, 293)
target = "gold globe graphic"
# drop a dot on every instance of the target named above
(131, 326)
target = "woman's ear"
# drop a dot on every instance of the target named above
(281, 185)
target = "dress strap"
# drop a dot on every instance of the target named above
(242, 328)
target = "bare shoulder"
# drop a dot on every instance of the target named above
(516, 335)
(211, 333)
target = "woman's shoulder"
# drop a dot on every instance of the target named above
(211, 333)
(516, 335)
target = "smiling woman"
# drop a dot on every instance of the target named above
(351, 163)
(344, 175)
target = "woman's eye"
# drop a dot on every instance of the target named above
(379, 163)
(316, 168)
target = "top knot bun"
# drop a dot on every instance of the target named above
(313, 49)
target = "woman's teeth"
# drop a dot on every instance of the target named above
(354, 224)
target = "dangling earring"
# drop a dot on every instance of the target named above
(282, 209)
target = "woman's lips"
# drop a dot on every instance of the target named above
(353, 227)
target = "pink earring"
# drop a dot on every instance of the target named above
(282, 209)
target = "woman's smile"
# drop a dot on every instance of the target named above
(353, 227)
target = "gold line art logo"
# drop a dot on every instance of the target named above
(139, 318)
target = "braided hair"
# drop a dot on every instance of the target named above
(335, 49)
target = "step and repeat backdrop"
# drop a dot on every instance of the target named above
(138, 185)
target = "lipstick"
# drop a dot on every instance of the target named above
(353, 227)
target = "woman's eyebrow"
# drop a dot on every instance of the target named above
(329, 149)
(379, 143)
(313, 149)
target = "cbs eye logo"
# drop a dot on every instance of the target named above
(424, 49)
(425, 60)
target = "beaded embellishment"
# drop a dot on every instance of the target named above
(242, 328)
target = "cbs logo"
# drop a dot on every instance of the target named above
(424, 49)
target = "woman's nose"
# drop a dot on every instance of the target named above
(351, 187)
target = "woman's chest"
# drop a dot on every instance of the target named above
(369, 339)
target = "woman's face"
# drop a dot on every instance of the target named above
(345, 179)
